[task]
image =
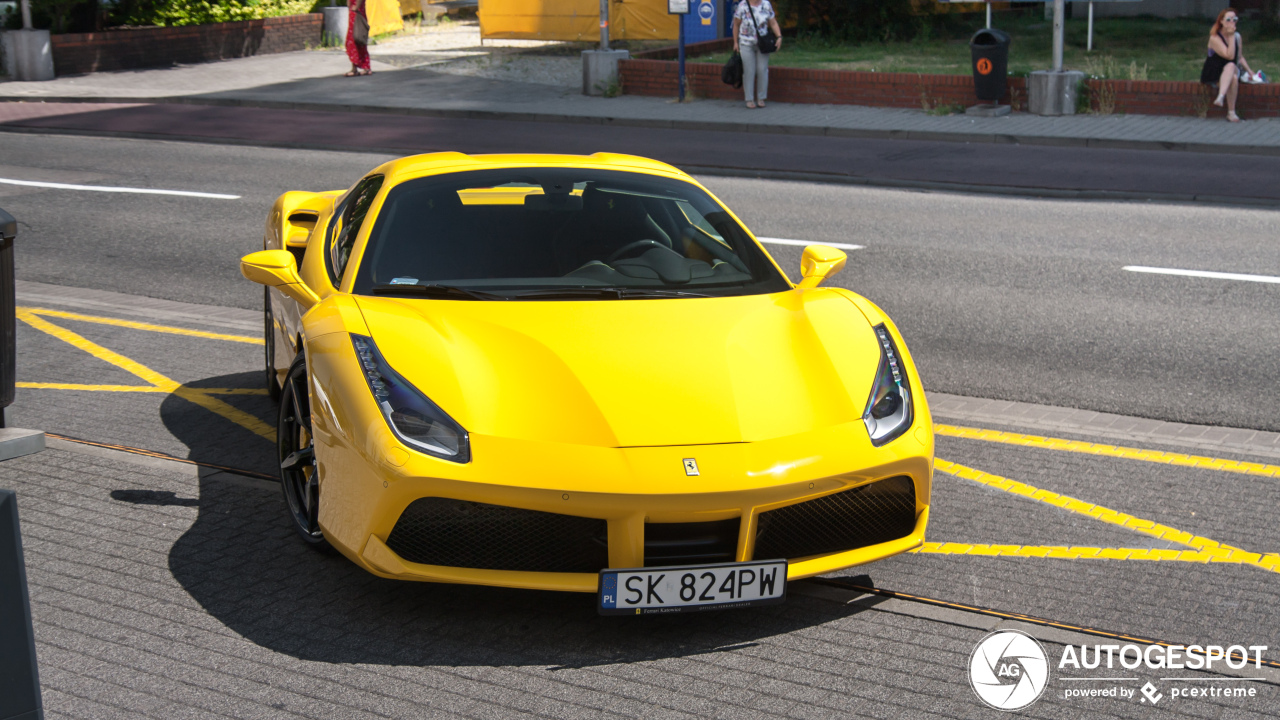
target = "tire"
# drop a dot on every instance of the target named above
(296, 451)
(269, 336)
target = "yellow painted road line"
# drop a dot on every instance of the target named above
(1216, 551)
(139, 388)
(1128, 453)
(235, 415)
(96, 350)
(142, 326)
(1073, 552)
(160, 383)
(92, 388)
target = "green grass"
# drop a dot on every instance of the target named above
(1123, 48)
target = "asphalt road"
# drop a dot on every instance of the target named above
(998, 297)
(1003, 167)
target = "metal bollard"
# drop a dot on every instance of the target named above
(19, 678)
(8, 325)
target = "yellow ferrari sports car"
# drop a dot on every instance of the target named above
(580, 373)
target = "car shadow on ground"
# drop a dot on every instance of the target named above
(214, 439)
(242, 562)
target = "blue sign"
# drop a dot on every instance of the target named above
(707, 11)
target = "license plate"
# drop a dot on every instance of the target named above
(641, 591)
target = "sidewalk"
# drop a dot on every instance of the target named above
(448, 73)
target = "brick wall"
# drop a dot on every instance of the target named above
(643, 76)
(76, 53)
(1140, 97)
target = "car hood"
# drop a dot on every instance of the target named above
(635, 373)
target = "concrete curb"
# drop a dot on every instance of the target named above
(962, 137)
(1110, 428)
(16, 442)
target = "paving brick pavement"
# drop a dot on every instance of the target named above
(160, 594)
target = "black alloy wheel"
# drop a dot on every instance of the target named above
(298, 476)
(269, 337)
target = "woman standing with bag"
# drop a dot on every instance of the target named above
(358, 39)
(755, 35)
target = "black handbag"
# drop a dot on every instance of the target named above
(360, 29)
(731, 73)
(766, 43)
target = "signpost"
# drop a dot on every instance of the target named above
(1089, 45)
(681, 8)
(1059, 16)
(604, 24)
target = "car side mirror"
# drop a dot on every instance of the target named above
(278, 269)
(818, 263)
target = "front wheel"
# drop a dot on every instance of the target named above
(296, 450)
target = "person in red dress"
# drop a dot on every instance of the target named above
(357, 49)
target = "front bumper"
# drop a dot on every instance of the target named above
(739, 483)
(368, 479)
(383, 561)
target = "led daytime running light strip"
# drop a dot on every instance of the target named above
(371, 370)
(887, 344)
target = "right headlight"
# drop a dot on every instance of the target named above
(417, 421)
(888, 412)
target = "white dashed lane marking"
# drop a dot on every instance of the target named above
(1203, 274)
(802, 243)
(104, 188)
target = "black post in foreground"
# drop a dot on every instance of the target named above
(19, 679)
(8, 325)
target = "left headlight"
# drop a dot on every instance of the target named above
(411, 415)
(888, 412)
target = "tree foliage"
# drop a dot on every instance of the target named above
(854, 20)
(203, 12)
(62, 16)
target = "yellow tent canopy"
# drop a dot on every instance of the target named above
(576, 20)
(384, 16)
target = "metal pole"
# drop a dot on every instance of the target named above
(19, 676)
(988, 14)
(1059, 10)
(8, 323)
(681, 54)
(604, 24)
(26, 15)
(1090, 47)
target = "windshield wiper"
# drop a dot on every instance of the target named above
(603, 293)
(447, 292)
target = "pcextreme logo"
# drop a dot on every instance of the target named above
(1008, 670)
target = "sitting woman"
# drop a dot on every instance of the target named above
(1226, 59)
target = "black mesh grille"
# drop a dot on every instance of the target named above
(690, 543)
(866, 515)
(438, 531)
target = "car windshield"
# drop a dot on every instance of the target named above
(559, 233)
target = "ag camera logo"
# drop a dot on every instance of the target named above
(1008, 670)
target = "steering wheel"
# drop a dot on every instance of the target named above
(629, 247)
